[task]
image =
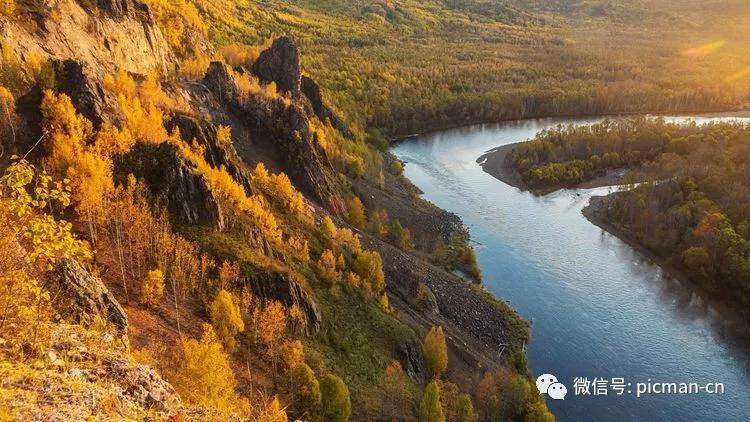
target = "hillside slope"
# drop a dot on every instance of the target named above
(217, 239)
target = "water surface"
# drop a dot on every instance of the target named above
(597, 307)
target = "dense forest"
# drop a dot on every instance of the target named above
(692, 206)
(407, 66)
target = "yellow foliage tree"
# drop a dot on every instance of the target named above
(369, 267)
(435, 351)
(229, 274)
(269, 324)
(329, 229)
(326, 267)
(9, 121)
(152, 288)
(355, 212)
(205, 376)
(226, 319)
(31, 241)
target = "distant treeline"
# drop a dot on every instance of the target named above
(693, 209)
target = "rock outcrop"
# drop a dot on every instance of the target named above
(86, 376)
(412, 360)
(77, 80)
(281, 64)
(281, 125)
(124, 36)
(281, 287)
(311, 90)
(82, 298)
(203, 133)
(141, 384)
(125, 8)
(175, 182)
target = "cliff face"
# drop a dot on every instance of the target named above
(175, 182)
(281, 125)
(120, 34)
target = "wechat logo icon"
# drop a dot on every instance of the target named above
(548, 384)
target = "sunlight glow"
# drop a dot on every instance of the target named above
(739, 75)
(705, 49)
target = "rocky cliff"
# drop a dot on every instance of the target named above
(108, 35)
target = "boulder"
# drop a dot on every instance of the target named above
(281, 64)
(410, 355)
(81, 297)
(281, 287)
(141, 385)
(175, 182)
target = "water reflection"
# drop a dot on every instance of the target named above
(600, 308)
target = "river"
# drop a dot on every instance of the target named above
(598, 308)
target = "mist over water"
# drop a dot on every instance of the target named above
(598, 308)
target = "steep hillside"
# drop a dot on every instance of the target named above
(234, 248)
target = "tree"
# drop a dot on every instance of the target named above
(402, 236)
(394, 388)
(355, 212)
(465, 409)
(226, 319)
(329, 229)
(430, 409)
(152, 288)
(308, 389)
(9, 121)
(229, 274)
(335, 401)
(205, 375)
(326, 267)
(435, 351)
(369, 267)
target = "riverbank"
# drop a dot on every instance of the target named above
(734, 325)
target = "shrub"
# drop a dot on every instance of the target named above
(430, 409)
(402, 236)
(308, 389)
(240, 55)
(335, 401)
(205, 375)
(226, 319)
(435, 351)
(152, 288)
(195, 68)
(9, 121)
(11, 74)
